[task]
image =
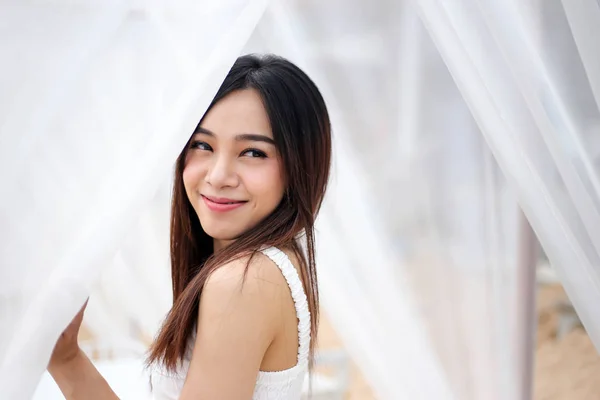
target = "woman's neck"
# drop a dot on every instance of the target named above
(221, 244)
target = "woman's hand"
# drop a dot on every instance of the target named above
(67, 346)
(72, 370)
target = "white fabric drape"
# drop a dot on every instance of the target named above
(419, 238)
(530, 74)
(97, 100)
(425, 260)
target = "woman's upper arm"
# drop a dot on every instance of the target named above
(237, 322)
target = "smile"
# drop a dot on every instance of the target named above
(221, 204)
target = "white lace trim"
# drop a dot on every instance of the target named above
(290, 380)
(300, 302)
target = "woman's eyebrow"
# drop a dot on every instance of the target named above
(254, 137)
(204, 131)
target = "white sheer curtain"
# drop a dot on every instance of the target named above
(420, 238)
(424, 257)
(97, 100)
(133, 293)
(530, 72)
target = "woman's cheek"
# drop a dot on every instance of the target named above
(261, 180)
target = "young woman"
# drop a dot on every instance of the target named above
(248, 186)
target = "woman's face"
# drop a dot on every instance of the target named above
(233, 174)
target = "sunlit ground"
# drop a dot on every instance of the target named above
(567, 368)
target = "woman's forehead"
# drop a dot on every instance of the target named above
(240, 112)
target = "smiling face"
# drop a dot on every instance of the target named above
(233, 174)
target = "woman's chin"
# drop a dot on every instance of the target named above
(223, 235)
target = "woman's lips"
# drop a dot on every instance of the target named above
(220, 204)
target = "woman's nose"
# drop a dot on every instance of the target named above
(221, 173)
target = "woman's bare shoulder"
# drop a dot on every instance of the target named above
(255, 272)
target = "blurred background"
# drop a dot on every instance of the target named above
(459, 242)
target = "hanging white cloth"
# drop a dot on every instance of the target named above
(97, 100)
(418, 239)
(530, 72)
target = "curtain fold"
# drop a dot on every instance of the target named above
(449, 117)
(534, 100)
(419, 250)
(98, 99)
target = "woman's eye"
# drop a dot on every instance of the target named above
(198, 145)
(254, 153)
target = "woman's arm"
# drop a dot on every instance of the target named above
(237, 322)
(72, 371)
(78, 378)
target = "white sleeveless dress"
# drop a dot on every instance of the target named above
(276, 385)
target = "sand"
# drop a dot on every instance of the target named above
(566, 368)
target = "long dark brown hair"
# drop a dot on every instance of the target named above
(301, 130)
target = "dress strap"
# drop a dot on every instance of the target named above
(297, 289)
